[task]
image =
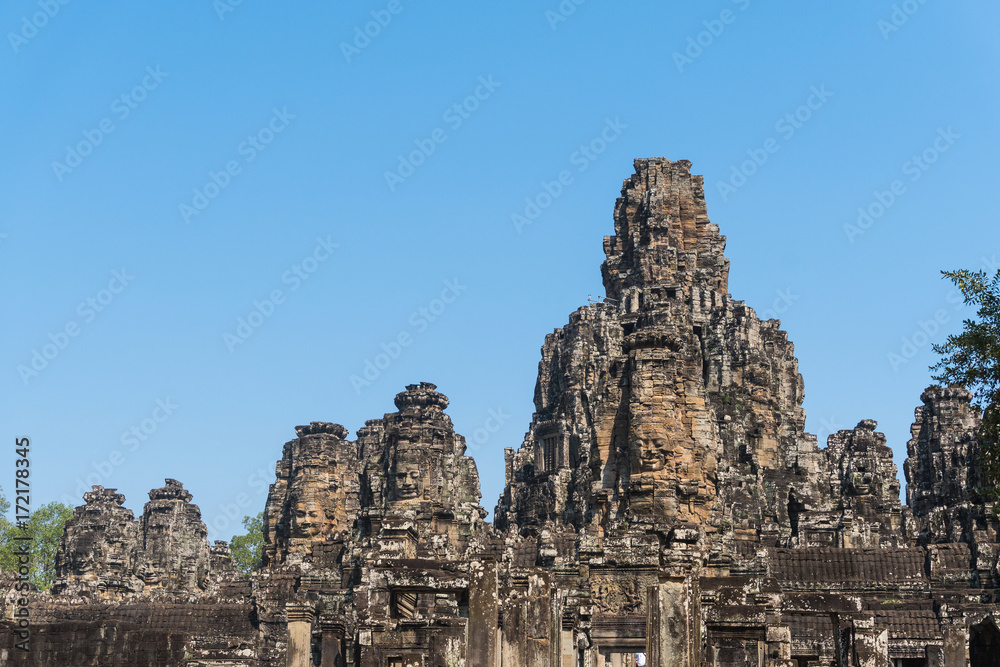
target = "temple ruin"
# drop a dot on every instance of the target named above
(666, 502)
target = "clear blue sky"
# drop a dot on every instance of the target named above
(141, 103)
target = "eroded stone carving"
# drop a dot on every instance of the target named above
(105, 553)
(99, 551)
(175, 551)
(315, 498)
(942, 472)
(665, 500)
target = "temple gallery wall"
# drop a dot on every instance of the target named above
(665, 501)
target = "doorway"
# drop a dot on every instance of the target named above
(984, 645)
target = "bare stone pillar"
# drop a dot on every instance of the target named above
(778, 647)
(483, 602)
(300, 621)
(567, 650)
(513, 630)
(935, 656)
(871, 646)
(673, 624)
(541, 634)
(528, 637)
(955, 645)
(333, 640)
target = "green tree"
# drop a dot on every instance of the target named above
(972, 359)
(45, 528)
(5, 528)
(247, 549)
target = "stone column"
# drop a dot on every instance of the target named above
(673, 624)
(567, 649)
(333, 640)
(300, 621)
(481, 638)
(539, 621)
(778, 647)
(871, 646)
(955, 650)
(514, 629)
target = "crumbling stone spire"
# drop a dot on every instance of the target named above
(420, 443)
(315, 498)
(420, 476)
(175, 551)
(865, 481)
(663, 237)
(99, 550)
(942, 450)
(942, 467)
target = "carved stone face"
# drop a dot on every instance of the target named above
(408, 480)
(308, 519)
(651, 454)
(862, 483)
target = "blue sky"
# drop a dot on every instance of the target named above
(170, 170)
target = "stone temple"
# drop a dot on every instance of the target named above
(666, 505)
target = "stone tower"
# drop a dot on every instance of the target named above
(315, 498)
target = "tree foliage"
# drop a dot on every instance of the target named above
(247, 549)
(972, 359)
(45, 528)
